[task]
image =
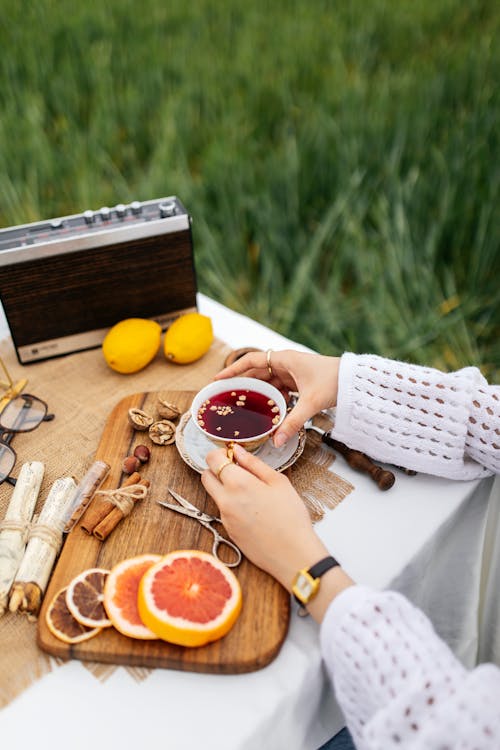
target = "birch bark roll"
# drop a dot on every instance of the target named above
(19, 513)
(41, 552)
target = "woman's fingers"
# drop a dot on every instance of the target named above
(303, 411)
(254, 465)
(255, 361)
(217, 462)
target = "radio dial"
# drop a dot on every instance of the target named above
(136, 208)
(121, 210)
(89, 217)
(167, 209)
(105, 213)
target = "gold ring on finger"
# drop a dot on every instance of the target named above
(221, 468)
(268, 360)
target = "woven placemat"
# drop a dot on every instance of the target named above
(81, 391)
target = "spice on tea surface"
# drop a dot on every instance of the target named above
(238, 414)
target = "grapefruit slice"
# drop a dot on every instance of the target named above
(63, 625)
(85, 597)
(120, 595)
(189, 598)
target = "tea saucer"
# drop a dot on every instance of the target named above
(193, 447)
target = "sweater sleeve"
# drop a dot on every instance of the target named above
(398, 684)
(446, 424)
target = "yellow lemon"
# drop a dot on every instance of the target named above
(131, 344)
(188, 338)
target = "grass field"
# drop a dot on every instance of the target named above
(340, 159)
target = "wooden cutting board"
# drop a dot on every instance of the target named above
(259, 632)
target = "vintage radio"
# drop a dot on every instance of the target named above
(66, 281)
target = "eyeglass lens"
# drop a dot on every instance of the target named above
(7, 461)
(23, 413)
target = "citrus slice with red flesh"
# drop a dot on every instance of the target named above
(63, 625)
(189, 598)
(85, 598)
(120, 595)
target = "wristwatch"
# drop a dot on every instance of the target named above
(306, 583)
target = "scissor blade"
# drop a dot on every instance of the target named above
(178, 509)
(182, 500)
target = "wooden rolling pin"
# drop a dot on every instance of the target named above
(357, 460)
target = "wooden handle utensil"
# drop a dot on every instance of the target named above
(357, 460)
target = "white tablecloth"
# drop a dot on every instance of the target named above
(426, 537)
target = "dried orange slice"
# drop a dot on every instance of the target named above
(63, 625)
(85, 597)
(120, 595)
(189, 598)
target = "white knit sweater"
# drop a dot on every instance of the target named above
(442, 424)
(398, 684)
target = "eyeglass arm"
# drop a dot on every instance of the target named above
(12, 392)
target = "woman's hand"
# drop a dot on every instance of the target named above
(262, 514)
(266, 518)
(313, 376)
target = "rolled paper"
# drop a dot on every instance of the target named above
(15, 526)
(84, 493)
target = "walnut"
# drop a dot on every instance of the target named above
(139, 419)
(162, 432)
(167, 410)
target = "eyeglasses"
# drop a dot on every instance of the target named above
(19, 412)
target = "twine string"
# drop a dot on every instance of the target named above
(23, 527)
(31, 530)
(124, 497)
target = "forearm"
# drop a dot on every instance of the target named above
(394, 677)
(419, 417)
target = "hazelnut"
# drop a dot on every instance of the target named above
(162, 432)
(139, 419)
(143, 453)
(130, 464)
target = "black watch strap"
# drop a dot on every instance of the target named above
(306, 582)
(322, 566)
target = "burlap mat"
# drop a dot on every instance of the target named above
(81, 390)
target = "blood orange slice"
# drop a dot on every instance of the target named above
(189, 598)
(63, 625)
(120, 596)
(85, 598)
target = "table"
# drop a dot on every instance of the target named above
(424, 537)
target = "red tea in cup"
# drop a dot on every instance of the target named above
(238, 414)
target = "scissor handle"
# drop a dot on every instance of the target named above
(218, 540)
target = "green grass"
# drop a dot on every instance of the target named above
(340, 159)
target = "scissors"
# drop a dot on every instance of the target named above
(206, 520)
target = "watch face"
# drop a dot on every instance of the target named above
(304, 586)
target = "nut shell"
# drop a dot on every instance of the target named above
(143, 453)
(139, 419)
(130, 464)
(162, 432)
(168, 410)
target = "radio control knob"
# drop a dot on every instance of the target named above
(105, 213)
(136, 208)
(121, 210)
(167, 209)
(56, 224)
(89, 217)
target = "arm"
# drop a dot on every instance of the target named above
(398, 684)
(447, 424)
(418, 417)
(393, 676)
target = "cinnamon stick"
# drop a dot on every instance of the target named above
(99, 509)
(111, 521)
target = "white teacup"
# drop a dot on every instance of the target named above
(238, 385)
